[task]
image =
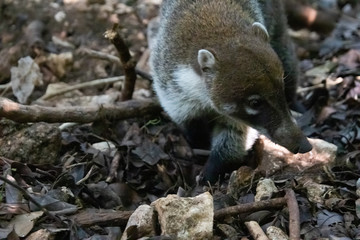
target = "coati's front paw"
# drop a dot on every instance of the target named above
(217, 166)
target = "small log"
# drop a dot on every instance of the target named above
(34, 113)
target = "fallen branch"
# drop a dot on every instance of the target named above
(103, 217)
(250, 207)
(34, 113)
(294, 215)
(127, 62)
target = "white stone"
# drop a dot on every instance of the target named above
(186, 218)
(144, 219)
(265, 189)
(276, 233)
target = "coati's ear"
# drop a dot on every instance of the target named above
(206, 59)
(260, 30)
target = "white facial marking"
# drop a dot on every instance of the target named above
(251, 136)
(251, 111)
(187, 96)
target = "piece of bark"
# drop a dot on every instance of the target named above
(35, 113)
(103, 217)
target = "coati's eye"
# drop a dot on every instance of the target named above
(255, 103)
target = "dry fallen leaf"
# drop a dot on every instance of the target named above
(24, 223)
(24, 78)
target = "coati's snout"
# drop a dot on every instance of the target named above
(303, 147)
(290, 136)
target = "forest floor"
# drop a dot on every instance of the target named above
(107, 163)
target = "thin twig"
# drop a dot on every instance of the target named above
(87, 176)
(127, 62)
(114, 167)
(113, 59)
(31, 199)
(144, 75)
(5, 86)
(201, 152)
(100, 55)
(92, 83)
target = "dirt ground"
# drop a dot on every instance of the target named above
(107, 163)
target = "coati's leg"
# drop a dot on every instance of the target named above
(198, 132)
(228, 152)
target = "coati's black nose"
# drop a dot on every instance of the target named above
(304, 146)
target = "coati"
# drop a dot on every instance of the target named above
(227, 67)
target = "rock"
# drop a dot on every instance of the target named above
(186, 218)
(38, 143)
(105, 147)
(143, 219)
(276, 233)
(228, 231)
(265, 189)
(238, 180)
(316, 191)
